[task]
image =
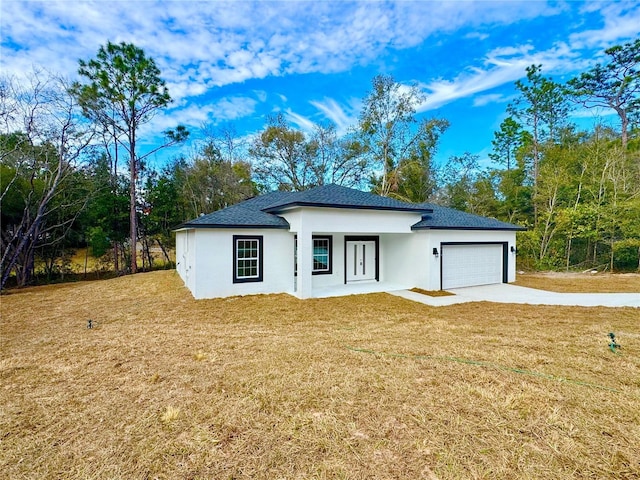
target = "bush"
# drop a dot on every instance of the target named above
(626, 254)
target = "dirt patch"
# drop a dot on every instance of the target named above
(368, 386)
(432, 293)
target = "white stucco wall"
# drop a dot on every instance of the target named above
(212, 275)
(186, 257)
(404, 261)
(355, 222)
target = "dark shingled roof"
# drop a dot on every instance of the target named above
(335, 196)
(261, 211)
(238, 216)
(451, 219)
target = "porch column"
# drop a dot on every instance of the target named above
(305, 263)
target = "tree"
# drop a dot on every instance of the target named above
(615, 85)
(334, 160)
(389, 133)
(284, 157)
(123, 92)
(460, 175)
(506, 143)
(208, 182)
(542, 107)
(105, 219)
(39, 165)
(225, 140)
(415, 175)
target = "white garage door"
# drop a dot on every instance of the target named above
(471, 264)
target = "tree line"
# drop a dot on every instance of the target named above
(73, 175)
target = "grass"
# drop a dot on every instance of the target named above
(581, 282)
(432, 293)
(82, 256)
(170, 414)
(370, 386)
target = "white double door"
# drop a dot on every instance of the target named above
(361, 260)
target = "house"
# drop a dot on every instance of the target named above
(332, 240)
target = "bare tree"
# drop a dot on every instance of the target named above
(48, 143)
(288, 159)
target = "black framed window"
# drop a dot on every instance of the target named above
(247, 258)
(322, 254)
(322, 263)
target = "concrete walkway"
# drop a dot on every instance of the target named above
(505, 293)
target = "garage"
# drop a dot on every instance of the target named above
(470, 264)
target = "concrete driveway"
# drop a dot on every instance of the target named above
(506, 293)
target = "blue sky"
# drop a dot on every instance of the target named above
(239, 62)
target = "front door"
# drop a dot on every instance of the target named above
(361, 260)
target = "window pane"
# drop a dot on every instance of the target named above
(321, 255)
(321, 247)
(321, 262)
(247, 248)
(355, 259)
(247, 268)
(364, 259)
(247, 258)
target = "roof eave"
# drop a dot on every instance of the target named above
(288, 206)
(497, 229)
(218, 225)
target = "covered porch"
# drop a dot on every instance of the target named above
(356, 289)
(343, 251)
(345, 263)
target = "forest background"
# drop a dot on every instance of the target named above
(72, 176)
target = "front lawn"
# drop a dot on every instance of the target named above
(581, 282)
(370, 386)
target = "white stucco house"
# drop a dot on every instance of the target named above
(333, 240)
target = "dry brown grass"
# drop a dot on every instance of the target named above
(81, 255)
(432, 293)
(270, 387)
(581, 282)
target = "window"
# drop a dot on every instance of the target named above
(247, 259)
(321, 255)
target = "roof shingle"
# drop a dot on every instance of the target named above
(452, 219)
(336, 196)
(238, 216)
(261, 211)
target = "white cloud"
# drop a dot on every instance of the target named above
(218, 43)
(302, 122)
(501, 66)
(342, 116)
(621, 22)
(203, 45)
(592, 113)
(261, 95)
(223, 110)
(234, 107)
(477, 36)
(482, 100)
(441, 92)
